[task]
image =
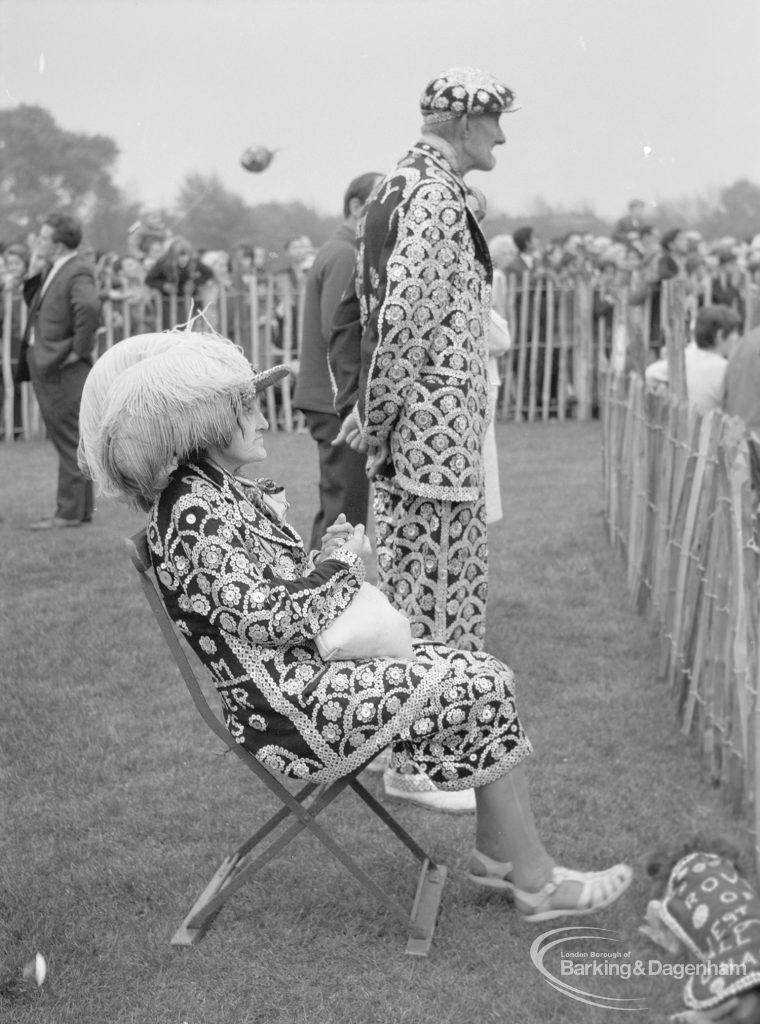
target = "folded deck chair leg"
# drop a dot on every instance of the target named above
(202, 915)
(237, 869)
(429, 885)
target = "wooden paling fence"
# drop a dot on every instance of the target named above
(553, 366)
(562, 349)
(560, 353)
(680, 509)
(553, 370)
(263, 320)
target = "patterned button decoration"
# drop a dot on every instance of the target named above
(461, 91)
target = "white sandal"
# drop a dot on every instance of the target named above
(598, 890)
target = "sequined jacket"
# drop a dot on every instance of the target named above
(238, 584)
(424, 285)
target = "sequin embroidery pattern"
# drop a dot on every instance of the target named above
(240, 587)
(424, 287)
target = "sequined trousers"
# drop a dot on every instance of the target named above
(432, 561)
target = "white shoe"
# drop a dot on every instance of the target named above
(418, 789)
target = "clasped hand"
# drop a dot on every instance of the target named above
(343, 535)
(351, 434)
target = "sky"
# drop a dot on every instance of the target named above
(656, 99)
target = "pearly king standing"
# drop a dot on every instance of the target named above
(424, 283)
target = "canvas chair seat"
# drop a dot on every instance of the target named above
(301, 807)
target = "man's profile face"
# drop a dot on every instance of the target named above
(485, 133)
(45, 245)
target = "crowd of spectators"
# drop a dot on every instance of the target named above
(638, 258)
(155, 260)
(160, 277)
(636, 254)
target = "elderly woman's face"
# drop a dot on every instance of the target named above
(246, 444)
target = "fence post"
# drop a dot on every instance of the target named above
(106, 330)
(126, 318)
(546, 392)
(565, 335)
(524, 306)
(268, 324)
(583, 353)
(535, 345)
(222, 307)
(7, 365)
(287, 350)
(674, 329)
(255, 339)
(509, 358)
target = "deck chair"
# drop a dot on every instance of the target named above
(250, 857)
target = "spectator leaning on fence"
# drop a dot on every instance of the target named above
(289, 282)
(183, 280)
(666, 265)
(715, 334)
(146, 235)
(725, 281)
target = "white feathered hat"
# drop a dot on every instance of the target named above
(153, 400)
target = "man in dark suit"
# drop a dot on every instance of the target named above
(57, 353)
(343, 483)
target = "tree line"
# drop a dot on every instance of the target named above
(44, 166)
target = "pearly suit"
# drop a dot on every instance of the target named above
(424, 286)
(236, 580)
(56, 355)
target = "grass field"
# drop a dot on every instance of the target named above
(117, 804)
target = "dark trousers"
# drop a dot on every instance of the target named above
(58, 395)
(17, 409)
(343, 483)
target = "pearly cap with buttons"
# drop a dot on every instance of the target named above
(461, 91)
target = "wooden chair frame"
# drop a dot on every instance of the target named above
(241, 865)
